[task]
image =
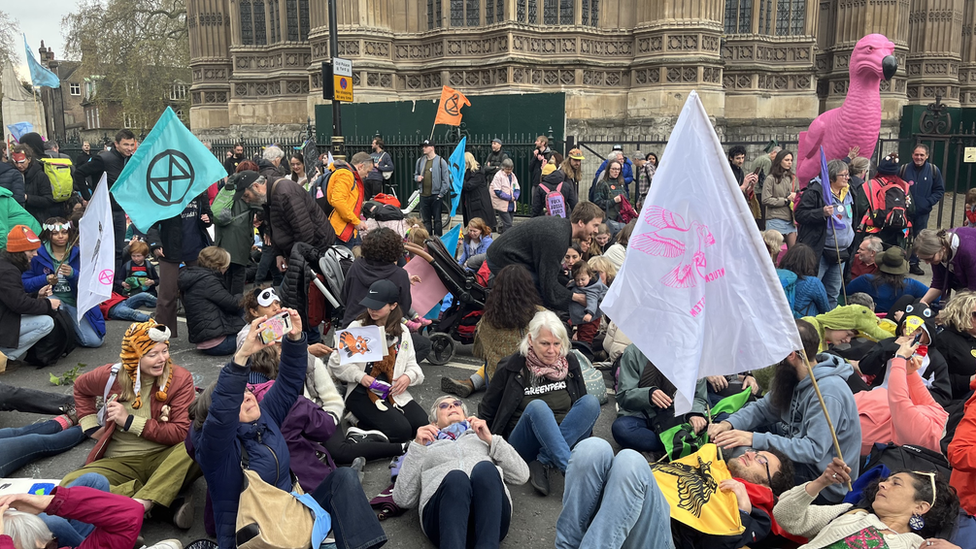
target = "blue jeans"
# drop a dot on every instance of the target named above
(23, 445)
(633, 432)
(612, 502)
(85, 334)
(353, 521)
(468, 511)
(226, 347)
(33, 328)
(831, 274)
(537, 436)
(126, 310)
(70, 533)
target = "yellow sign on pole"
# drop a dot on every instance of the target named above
(342, 80)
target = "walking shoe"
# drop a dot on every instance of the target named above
(183, 513)
(69, 410)
(357, 435)
(3, 363)
(358, 464)
(539, 477)
(166, 544)
(915, 269)
(462, 388)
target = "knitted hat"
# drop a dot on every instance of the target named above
(139, 339)
(22, 239)
(853, 317)
(888, 165)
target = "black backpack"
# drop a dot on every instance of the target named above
(59, 343)
(907, 457)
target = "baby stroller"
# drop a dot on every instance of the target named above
(313, 282)
(459, 321)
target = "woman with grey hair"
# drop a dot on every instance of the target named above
(952, 255)
(454, 471)
(537, 398)
(830, 240)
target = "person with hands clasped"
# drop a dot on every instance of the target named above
(24, 318)
(898, 512)
(231, 429)
(455, 471)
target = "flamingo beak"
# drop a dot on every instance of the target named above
(889, 65)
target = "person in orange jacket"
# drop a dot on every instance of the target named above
(962, 456)
(345, 194)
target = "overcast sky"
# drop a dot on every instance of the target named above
(39, 22)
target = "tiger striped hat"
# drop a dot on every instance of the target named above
(139, 339)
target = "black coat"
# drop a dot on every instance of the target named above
(15, 302)
(812, 229)
(507, 389)
(12, 180)
(475, 199)
(211, 311)
(875, 363)
(168, 233)
(40, 197)
(111, 163)
(959, 350)
(295, 217)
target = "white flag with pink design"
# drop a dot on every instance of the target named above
(697, 292)
(96, 241)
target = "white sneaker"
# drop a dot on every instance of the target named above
(165, 544)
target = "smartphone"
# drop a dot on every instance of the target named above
(918, 336)
(274, 328)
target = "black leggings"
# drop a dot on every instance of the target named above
(344, 451)
(398, 424)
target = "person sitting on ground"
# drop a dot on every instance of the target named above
(863, 261)
(145, 420)
(586, 317)
(395, 412)
(603, 238)
(213, 314)
(382, 249)
(790, 419)
(962, 457)
(604, 269)
(455, 473)
(617, 251)
(137, 280)
(474, 246)
(23, 445)
(890, 283)
(539, 244)
(810, 297)
(24, 318)
(862, 299)
(921, 419)
(902, 510)
(957, 341)
(931, 365)
(56, 264)
(774, 244)
(538, 400)
(574, 254)
(229, 423)
(117, 520)
(510, 306)
(590, 248)
(645, 404)
(842, 324)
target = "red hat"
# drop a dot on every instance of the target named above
(22, 239)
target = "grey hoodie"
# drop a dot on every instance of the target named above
(424, 467)
(802, 433)
(594, 293)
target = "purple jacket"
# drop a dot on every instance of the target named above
(305, 428)
(963, 275)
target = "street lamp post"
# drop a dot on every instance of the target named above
(338, 141)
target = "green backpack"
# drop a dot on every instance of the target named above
(681, 441)
(58, 171)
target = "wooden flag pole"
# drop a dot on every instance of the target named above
(833, 433)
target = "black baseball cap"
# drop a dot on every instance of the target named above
(427, 143)
(496, 140)
(381, 293)
(241, 181)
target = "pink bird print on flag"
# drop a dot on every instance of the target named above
(671, 240)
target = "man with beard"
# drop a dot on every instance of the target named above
(790, 419)
(232, 161)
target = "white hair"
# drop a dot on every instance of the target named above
(432, 415)
(613, 156)
(874, 244)
(546, 320)
(271, 153)
(26, 530)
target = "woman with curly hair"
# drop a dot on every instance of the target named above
(511, 304)
(957, 341)
(382, 250)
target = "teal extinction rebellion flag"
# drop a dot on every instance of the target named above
(168, 170)
(40, 75)
(457, 173)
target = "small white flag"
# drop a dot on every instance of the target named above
(96, 237)
(697, 292)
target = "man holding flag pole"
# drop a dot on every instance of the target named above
(697, 268)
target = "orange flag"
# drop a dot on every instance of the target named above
(449, 109)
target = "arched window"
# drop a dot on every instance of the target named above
(274, 21)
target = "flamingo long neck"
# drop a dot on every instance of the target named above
(863, 100)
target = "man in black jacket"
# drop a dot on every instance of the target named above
(540, 156)
(494, 161)
(111, 163)
(232, 161)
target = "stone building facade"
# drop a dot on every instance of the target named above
(761, 67)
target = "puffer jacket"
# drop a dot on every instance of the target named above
(40, 197)
(211, 311)
(295, 217)
(12, 180)
(345, 194)
(218, 444)
(43, 265)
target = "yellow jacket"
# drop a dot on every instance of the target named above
(345, 194)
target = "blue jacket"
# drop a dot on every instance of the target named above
(467, 252)
(12, 180)
(801, 432)
(810, 292)
(927, 186)
(42, 265)
(627, 171)
(217, 446)
(440, 175)
(885, 296)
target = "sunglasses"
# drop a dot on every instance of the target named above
(931, 479)
(449, 404)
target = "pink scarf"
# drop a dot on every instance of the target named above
(555, 372)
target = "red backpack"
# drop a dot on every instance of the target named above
(888, 197)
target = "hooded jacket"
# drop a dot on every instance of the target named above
(12, 180)
(211, 311)
(848, 317)
(962, 457)
(361, 276)
(13, 213)
(594, 293)
(345, 194)
(440, 175)
(42, 265)
(801, 432)
(218, 444)
(15, 302)
(634, 400)
(40, 197)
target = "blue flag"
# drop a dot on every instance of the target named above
(451, 239)
(169, 169)
(19, 129)
(835, 220)
(457, 173)
(40, 76)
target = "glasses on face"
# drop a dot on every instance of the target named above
(761, 459)
(449, 404)
(845, 174)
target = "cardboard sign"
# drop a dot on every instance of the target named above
(362, 344)
(429, 291)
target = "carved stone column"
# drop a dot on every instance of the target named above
(209, 30)
(935, 44)
(967, 70)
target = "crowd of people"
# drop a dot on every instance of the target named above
(887, 358)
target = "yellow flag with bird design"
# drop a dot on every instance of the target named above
(690, 485)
